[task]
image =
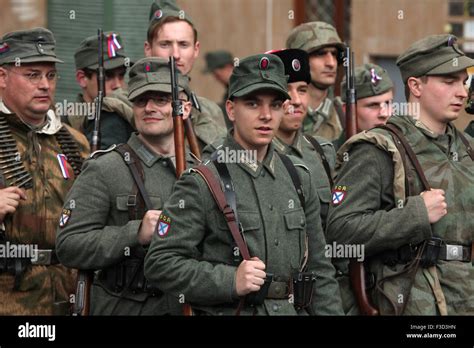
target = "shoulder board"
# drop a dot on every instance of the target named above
(99, 153)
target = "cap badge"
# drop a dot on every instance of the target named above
(112, 45)
(4, 48)
(374, 78)
(147, 67)
(451, 40)
(264, 63)
(296, 65)
(158, 14)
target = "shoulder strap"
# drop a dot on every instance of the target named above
(229, 190)
(399, 137)
(466, 143)
(290, 167)
(229, 214)
(320, 151)
(70, 149)
(133, 163)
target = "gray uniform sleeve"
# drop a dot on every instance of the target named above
(174, 261)
(368, 214)
(326, 298)
(86, 242)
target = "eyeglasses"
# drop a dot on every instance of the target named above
(158, 100)
(36, 77)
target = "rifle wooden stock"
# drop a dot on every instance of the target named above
(356, 268)
(357, 273)
(85, 277)
(179, 146)
(192, 139)
(83, 292)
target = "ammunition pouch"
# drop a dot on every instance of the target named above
(303, 285)
(127, 275)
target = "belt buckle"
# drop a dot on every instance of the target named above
(43, 257)
(454, 252)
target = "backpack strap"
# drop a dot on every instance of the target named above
(320, 151)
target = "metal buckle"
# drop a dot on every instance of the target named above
(43, 257)
(131, 200)
(454, 252)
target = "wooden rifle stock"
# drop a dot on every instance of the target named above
(179, 146)
(86, 277)
(356, 268)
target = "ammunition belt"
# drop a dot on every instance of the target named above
(12, 170)
(70, 149)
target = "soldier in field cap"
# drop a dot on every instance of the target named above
(171, 31)
(413, 213)
(374, 92)
(107, 201)
(321, 41)
(116, 120)
(40, 160)
(194, 255)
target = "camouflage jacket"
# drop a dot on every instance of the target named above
(43, 290)
(370, 208)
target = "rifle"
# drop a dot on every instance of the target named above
(356, 268)
(351, 99)
(178, 124)
(86, 277)
(95, 143)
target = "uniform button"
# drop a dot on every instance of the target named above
(277, 242)
(270, 207)
(278, 289)
(276, 307)
(302, 221)
(165, 163)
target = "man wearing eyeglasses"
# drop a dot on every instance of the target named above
(39, 160)
(117, 116)
(110, 224)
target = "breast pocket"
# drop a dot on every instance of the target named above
(295, 223)
(251, 224)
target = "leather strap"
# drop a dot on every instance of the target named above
(290, 167)
(133, 162)
(320, 151)
(409, 152)
(224, 207)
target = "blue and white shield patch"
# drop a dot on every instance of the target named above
(337, 197)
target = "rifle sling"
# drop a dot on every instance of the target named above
(229, 213)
